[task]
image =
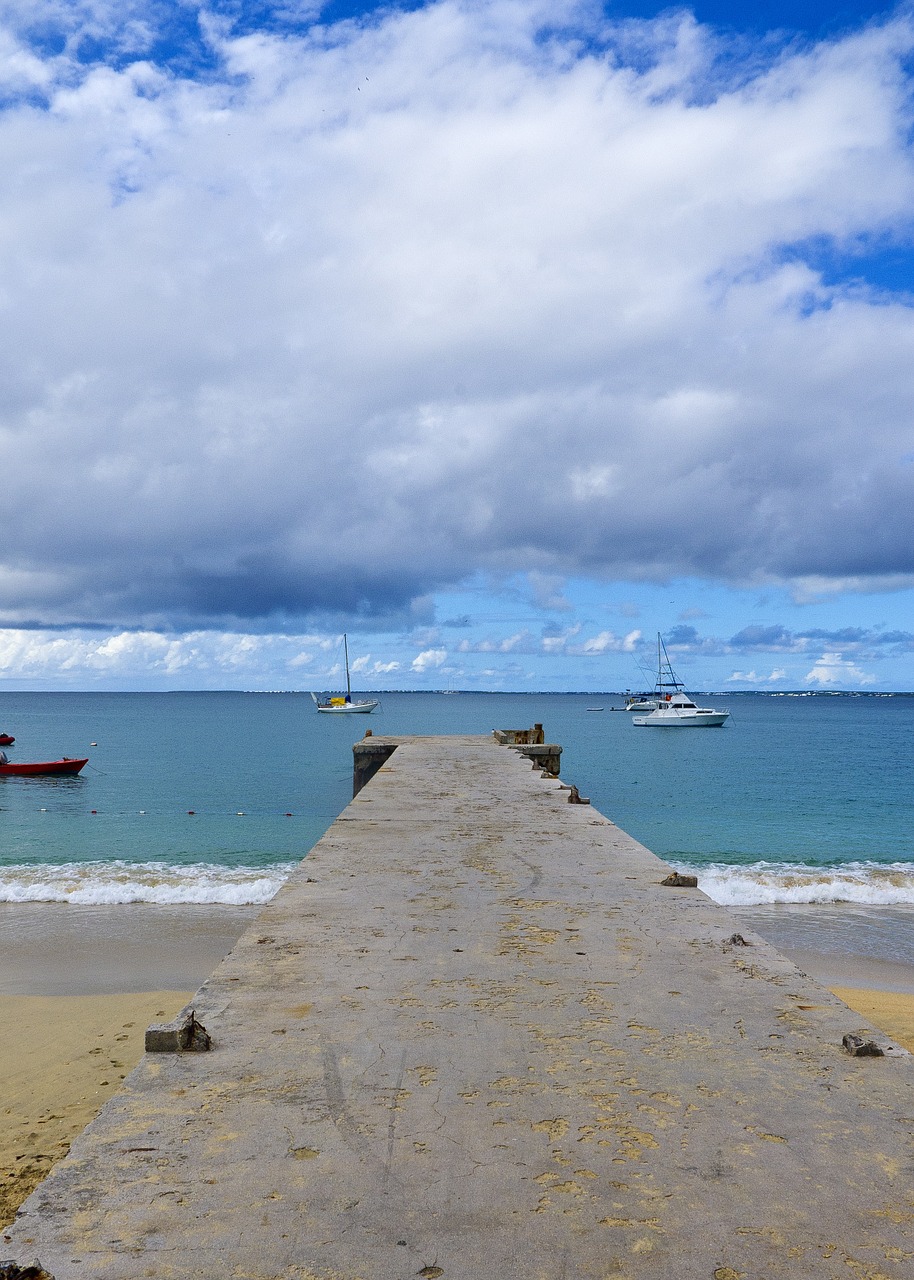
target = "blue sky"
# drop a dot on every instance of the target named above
(500, 335)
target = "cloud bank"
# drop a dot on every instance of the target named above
(309, 322)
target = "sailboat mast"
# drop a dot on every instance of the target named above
(346, 652)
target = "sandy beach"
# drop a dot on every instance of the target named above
(78, 987)
(61, 1058)
(890, 1011)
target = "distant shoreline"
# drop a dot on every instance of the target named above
(482, 693)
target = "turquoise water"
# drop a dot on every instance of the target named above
(796, 799)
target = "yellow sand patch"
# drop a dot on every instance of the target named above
(887, 1010)
(61, 1058)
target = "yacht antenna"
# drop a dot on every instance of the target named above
(665, 667)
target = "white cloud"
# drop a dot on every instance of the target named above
(20, 70)
(364, 665)
(609, 642)
(429, 658)
(356, 315)
(205, 658)
(832, 669)
(777, 676)
(558, 642)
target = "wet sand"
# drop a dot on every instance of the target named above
(54, 949)
(863, 955)
(841, 944)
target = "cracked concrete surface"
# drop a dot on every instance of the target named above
(474, 1037)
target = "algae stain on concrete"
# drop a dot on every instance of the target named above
(556, 1128)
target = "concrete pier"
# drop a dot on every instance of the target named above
(477, 1037)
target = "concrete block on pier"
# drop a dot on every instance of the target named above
(30, 1271)
(532, 744)
(546, 756)
(520, 737)
(184, 1034)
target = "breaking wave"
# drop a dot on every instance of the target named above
(119, 882)
(104, 883)
(865, 883)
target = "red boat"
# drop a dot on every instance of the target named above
(45, 768)
(6, 740)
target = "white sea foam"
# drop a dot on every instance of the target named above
(866, 883)
(119, 882)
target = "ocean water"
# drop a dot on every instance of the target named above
(213, 797)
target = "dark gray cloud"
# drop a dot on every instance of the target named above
(771, 638)
(778, 639)
(339, 323)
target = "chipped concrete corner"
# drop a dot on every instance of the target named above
(184, 1034)
(475, 1037)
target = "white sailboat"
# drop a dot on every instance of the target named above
(345, 706)
(674, 709)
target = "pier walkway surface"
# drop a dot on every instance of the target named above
(475, 1037)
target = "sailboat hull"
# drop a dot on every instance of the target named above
(339, 706)
(348, 709)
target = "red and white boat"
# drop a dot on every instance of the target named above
(46, 768)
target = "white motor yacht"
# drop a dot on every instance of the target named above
(674, 709)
